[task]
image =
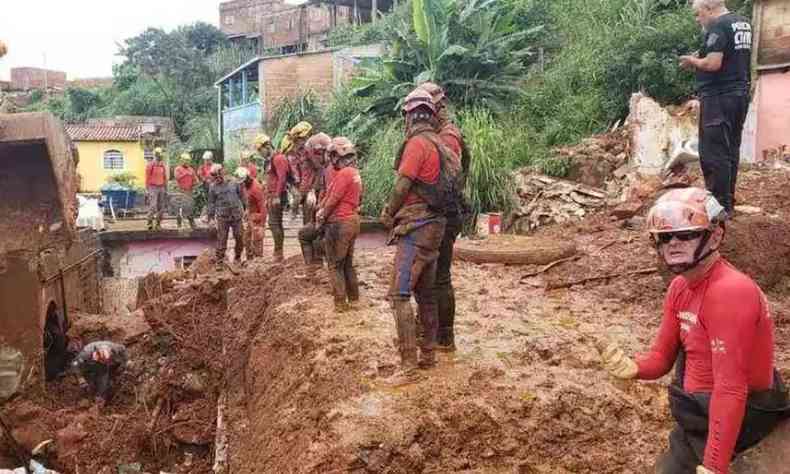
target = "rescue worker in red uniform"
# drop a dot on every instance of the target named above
(453, 139)
(309, 236)
(301, 174)
(156, 188)
(248, 164)
(717, 330)
(256, 213)
(276, 197)
(186, 179)
(415, 213)
(204, 170)
(339, 217)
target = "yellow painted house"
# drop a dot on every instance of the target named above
(114, 146)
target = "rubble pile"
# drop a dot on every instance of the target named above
(594, 161)
(542, 200)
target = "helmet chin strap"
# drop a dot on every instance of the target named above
(699, 256)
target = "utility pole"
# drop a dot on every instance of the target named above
(46, 82)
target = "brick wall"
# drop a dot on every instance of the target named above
(24, 78)
(774, 41)
(290, 76)
(279, 24)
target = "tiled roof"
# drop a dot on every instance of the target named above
(103, 133)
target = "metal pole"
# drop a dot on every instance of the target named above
(373, 11)
(356, 13)
(220, 124)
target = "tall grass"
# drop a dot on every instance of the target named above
(376, 171)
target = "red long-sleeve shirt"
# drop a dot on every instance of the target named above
(204, 171)
(256, 203)
(155, 174)
(277, 175)
(186, 178)
(724, 325)
(343, 195)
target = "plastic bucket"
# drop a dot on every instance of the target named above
(494, 223)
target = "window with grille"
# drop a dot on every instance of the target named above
(113, 160)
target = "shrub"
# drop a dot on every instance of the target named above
(376, 171)
(126, 179)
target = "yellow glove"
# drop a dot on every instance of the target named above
(616, 362)
(704, 470)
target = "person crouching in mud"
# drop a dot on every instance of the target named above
(727, 396)
(99, 363)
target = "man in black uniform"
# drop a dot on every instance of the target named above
(723, 81)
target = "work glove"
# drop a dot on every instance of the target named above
(320, 216)
(704, 470)
(616, 362)
(386, 219)
(310, 201)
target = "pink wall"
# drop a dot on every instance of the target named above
(773, 112)
(144, 257)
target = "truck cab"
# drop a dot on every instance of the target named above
(48, 268)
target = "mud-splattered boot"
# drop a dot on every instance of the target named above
(192, 223)
(307, 252)
(150, 224)
(407, 343)
(178, 222)
(445, 338)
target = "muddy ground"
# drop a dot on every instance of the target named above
(307, 388)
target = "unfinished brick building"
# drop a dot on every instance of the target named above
(27, 78)
(275, 27)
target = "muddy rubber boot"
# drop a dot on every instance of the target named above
(445, 340)
(192, 223)
(150, 224)
(178, 222)
(158, 224)
(407, 334)
(307, 253)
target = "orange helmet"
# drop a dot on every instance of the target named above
(684, 209)
(342, 146)
(436, 91)
(318, 142)
(419, 97)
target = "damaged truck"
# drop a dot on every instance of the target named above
(48, 268)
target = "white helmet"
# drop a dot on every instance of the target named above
(207, 155)
(242, 172)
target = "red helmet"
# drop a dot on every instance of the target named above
(684, 209)
(342, 146)
(318, 142)
(419, 97)
(436, 91)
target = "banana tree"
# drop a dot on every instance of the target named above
(471, 47)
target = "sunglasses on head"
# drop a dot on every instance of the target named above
(683, 236)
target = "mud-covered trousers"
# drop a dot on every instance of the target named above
(414, 272)
(253, 239)
(720, 128)
(224, 227)
(157, 200)
(276, 223)
(687, 441)
(339, 240)
(445, 294)
(99, 377)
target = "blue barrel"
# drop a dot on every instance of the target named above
(120, 198)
